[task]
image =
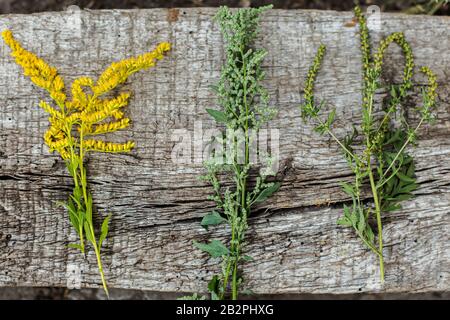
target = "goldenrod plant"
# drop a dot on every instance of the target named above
(384, 134)
(75, 123)
(245, 109)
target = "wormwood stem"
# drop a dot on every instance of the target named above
(378, 217)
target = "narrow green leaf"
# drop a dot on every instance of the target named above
(87, 231)
(401, 197)
(408, 188)
(89, 208)
(104, 230)
(331, 117)
(405, 178)
(75, 246)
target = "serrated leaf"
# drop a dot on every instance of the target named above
(212, 219)
(215, 248)
(361, 221)
(75, 246)
(405, 178)
(219, 116)
(344, 221)
(369, 234)
(266, 193)
(348, 189)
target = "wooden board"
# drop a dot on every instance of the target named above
(157, 205)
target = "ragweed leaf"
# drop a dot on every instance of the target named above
(267, 192)
(212, 219)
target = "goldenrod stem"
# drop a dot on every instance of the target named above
(100, 269)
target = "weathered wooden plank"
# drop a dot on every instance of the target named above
(157, 205)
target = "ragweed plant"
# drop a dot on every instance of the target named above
(384, 134)
(75, 122)
(245, 108)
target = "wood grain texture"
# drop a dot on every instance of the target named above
(157, 205)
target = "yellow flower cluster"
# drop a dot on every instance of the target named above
(102, 146)
(432, 84)
(118, 72)
(364, 36)
(309, 108)
(37, 69)
(429, 95)
(87, 113)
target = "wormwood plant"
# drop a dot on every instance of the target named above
(383, 134)
(75, 123)
(244, 109)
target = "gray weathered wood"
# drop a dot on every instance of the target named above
(157, 206)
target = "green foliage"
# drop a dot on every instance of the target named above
(244, 108)
(212, 219)
(384, 163)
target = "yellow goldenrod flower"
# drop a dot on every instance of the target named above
(111, 126)
(118, 72)
(84, 115)
(37, 69)
(102, 146)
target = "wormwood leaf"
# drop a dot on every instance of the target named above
(266, 193)
(247, 258)
(104, 230)
(219, 116)
(361, 221)
(212, 219)
(75, 246)
(331, 117)
(215, 248)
